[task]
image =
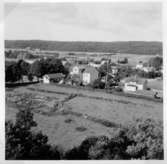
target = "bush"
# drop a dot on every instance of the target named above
(118, 89)
(81, 128)
(22, 143)
(98, 84)
(69, 120)
(141, 140)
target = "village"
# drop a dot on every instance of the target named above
(76, 95)
(83, 81)
(101, 72)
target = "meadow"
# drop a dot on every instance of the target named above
(82, 113)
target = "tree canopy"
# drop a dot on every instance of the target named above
(46, 66)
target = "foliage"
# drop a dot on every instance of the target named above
(141, 140)
(147, 138)
(24, 67)
(125, 71)
(81, 129)
(156, 62)
(98, 84)
(15, 70)
(152, 74)
(12, 72)
(22, 143)
(46, 66)
(104, 69)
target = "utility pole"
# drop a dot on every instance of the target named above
(106, 74)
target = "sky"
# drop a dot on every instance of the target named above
(132, 21)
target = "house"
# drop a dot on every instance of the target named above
(89, 75)
(93, 64)
(35, 79)
(76, 69)
(148, 69)
(134, 84)
(139, 65)
(25, 79)
(54, 77)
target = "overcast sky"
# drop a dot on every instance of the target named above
(84, 21)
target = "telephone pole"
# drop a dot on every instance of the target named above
(107, 74)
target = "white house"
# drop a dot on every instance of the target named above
(148, 69)
(46, 79)
(134, 84)
(130, 87)
(54, 77)
(95, 64)
(139, 65)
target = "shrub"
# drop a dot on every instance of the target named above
(81, 128)
(141, 140)
(69, 120)
(98, 84)
(22, 143)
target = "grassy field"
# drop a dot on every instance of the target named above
(133, 59)
(86, 115)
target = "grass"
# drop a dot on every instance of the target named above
(98, 112)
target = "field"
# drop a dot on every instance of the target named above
(133, 59)
(82, 113)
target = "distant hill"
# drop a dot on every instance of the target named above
(131, 47)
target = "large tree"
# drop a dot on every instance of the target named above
(45, 66)
(12, 72)
(24, 67)
(156, 62)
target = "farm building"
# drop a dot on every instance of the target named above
(55, 77)
(90, 74)
(134, 84)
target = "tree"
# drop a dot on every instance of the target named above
(156, 62)
(98, 84)
(24, 67)
(147, 138)
(22, 142)
(12, 72)
(46, 66)
(142, 139)
(36, 68)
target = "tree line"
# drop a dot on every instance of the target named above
(15, 70)
(130, 47)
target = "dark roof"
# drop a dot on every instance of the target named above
(90, 69)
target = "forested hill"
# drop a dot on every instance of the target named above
(132, 47)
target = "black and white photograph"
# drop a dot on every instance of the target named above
(83, 80)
